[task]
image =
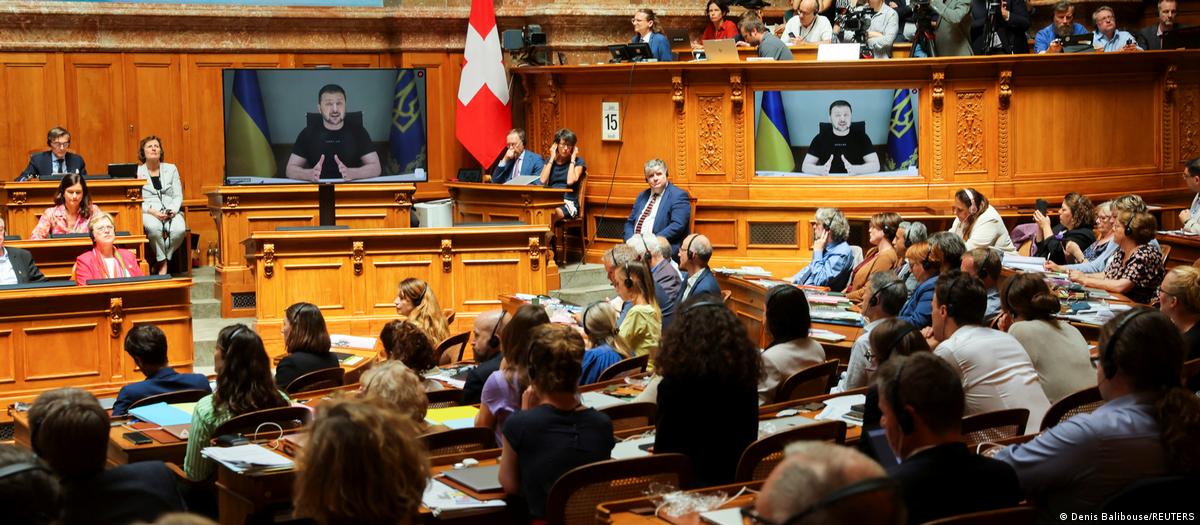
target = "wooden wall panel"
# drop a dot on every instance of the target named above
(30, 88)
(446, 155)
(8, 356)
(96, 106)
(154, 105)
(645, 113)
(67, 353)
(335, 60)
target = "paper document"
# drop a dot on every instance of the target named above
(244, 458)
(597, 400)
(730, 516)
(351, 341)
(630, 448)
(767, 427)
(1024, 263)
(440, 497)
(453, 417)
(836, 409)
(821, 334)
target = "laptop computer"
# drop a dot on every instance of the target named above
(721, 51)
(1081, 43)
(677, 35)
(478, 479)
(523, 180)
(124, 170)
(470, 175)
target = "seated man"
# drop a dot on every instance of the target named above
(662, 209)
(70, 431)
(832, 259)
(694, 254)
(147, 345)
(842, 146)
(564, 169)
(756, 34)
(517, 160)
(1049, 39)
(336, 149)
(819, 482)
(1107, 37)
(1153, 34)
(16, 265)
(667, 283)
(56, 160)
(887, 296)
(807, 27)
(29, 491)
(488, 353)
(921, 398)
(984, 264)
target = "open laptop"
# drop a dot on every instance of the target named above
(721, 51)
(1081, 43)
(523, 180)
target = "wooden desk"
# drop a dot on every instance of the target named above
(352, 274)
(748, 302)
(24, 202)
(56, 257)
(641, 510)
(1185, 249)
(240, 211)
(809, 51)
(74, 336)
(480, 202)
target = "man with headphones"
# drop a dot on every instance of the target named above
(662, 209)
(55, 160)
(921, 398)
(488, 351)
(694, 255)
(887, 295)
(996, 371)
(819, 482)
(985, 264)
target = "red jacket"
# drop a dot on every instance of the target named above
(88, 266)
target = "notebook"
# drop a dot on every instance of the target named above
(161, 414)
(478, 479)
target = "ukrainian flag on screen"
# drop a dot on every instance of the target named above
(247, 139)
(407, 133)
(772, 146)
(902, 132)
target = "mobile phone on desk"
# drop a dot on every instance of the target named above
(647, 447)
(137, 438)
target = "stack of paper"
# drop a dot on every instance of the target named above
(439, 498)
(453, 417)
(745, 270)
(248, 458)
(836, 409)
(351, 341)
(1024, 263)
(821, 334)
(597, 400)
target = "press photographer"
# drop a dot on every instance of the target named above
(1050, 38)
(998, 27)
(873, 24)
(951, 29)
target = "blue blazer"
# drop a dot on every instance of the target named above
(660, 47)
(166, 379)
(705, 284)
(671, 221)
(918, 311)
(532, 165)
(40, 164)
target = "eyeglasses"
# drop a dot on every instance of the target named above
(104, 229)
(1163, 291)
(1107, 18)
(59, 144)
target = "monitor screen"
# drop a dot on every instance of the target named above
(285, 126)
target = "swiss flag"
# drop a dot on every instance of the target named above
(483, 117)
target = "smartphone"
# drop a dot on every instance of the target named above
(646, 447)
(1041, 205)
(137, 438)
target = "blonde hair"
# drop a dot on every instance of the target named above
(1185, 287)
(397, 384)
(427, 313)
(600, 324)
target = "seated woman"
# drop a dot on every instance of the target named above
(605, 345)
(1095, 257)
(1179, 299)
(162, 197)
(415, 301)
(1136, 269)
(914, 232)
(1076, 217)
(71, 212)
(353, 447)
(401, 388)
(791, 349)
(710, 373)
(1146, 428)
(553, 433)
(882, 257)
(642, 326)
(1058, 351)
(647, 30)
(831, 258)
(306, 340)
(501, 395)
(718, 28)
(403, 341)
(244, 385)
(564, 167)
(925, 264)
(978, 223)
(104, 260)
(891, 337)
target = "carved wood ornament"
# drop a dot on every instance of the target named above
(447, 255)
(269, 260)
(116, 315)
(357, 257)
(535, 253)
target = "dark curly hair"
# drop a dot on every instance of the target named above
(706, 341)
(405, 342)
(244, 383)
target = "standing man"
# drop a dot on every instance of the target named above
(953, 35)
(1191, 216)
(769, 45)
(693, 258)
(16, 265)
(662, 209)
(56, 160)
(333, 150)
(841, 146)
(1153, 34)
(1010, 24)
(1049, 39)
(517, 160)
(1107, 37)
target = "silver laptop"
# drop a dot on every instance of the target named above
(523, 180)
(721, 51)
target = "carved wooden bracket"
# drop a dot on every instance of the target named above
(269, 260)
(677, 91)
(1005, 88)
(939, 89)
(17, 197)
(133, 194)
(527, 198)
(116, 315)
(401, 198)
(447, 255)
(552, 89)
(736, 91)
(1170, 84)
(535, 253)
(357, 257)
(232, 201)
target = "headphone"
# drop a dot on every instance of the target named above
(874, 300)
(1129, 224)
(981, 270)
(21, 468)
(973, 208)
(493, 341)
(420, 298)
(888, 231)
(902, 417)
(628, 279)
(645, 249)
(949, 295)
(1106, 355)
(688, 248)
(703, 304)
(927, 264)
(849, 491)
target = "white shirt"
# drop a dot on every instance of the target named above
(820, 31)
(8, 275)
(648, 224)
(988, 231)
(691, 283)
(996, 373)
(785, 359)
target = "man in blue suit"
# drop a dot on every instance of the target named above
(56, 160)
(693, 257)
(663, 209)
(147, 345)
(517, 160)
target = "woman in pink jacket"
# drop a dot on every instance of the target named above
(104, 261)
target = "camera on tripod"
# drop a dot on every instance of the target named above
(854, 23)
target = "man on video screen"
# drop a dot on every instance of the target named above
(842, 147)
(334, 150)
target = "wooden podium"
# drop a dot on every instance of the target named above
(24, 203)
(748, 301)
(352, 275)
(480, 202)
(240, 211)
(56, 257)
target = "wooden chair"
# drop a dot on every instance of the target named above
(573, 498)
(288, 418)
(624, 367)
(990, 426)
(460, 440)
(450, 397)
(1008, 516)
(725, 295)
(446, 349)
(1026, 248)
(1191, 374)
(317, 380)
(761, 457)
(1081, 402)
(561, 227)
(631, 415)
(178, 396)
(449, 313)
(1165, 249)
(808, 382)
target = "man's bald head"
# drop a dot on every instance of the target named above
(695, 252)
(486, 324)
(812, 471)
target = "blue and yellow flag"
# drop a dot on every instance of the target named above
(247, 138)
(407, 135)
(772, 146)
(902, 131)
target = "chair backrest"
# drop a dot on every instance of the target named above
(761, 457)
(450, 397)
(458, 340)
(573, 498)
(178, 396)
(625, 416)
(449, 313)
(1081, 402)
(1026, 248)
(460, 440)
(1173, 492)
(317, 380)
(1165, 249)
(857, 253)
(808, 382)
(990, 426)
(625, 367)
(1008, 516)
(288, 418)
(1191, 374)
(725, 295)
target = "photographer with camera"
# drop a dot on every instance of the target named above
(998, 27)
(872, 24)
(1050, 38)
(951, 31)
(1107, 37)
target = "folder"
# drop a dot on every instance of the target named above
(161, 414)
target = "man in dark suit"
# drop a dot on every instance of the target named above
(517, 161)
(668, 283)
(488, 327)
(57, 160)
(663, 209)
(1011, 22)
(922, 401)
(694, 254)
(1152, 35)
(147, 345)
(16, 265)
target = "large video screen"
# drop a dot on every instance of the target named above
(325, 125)
(836, 133)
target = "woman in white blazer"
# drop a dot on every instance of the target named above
(162, 197)
(978, 223)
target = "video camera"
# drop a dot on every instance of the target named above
(854, 23)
